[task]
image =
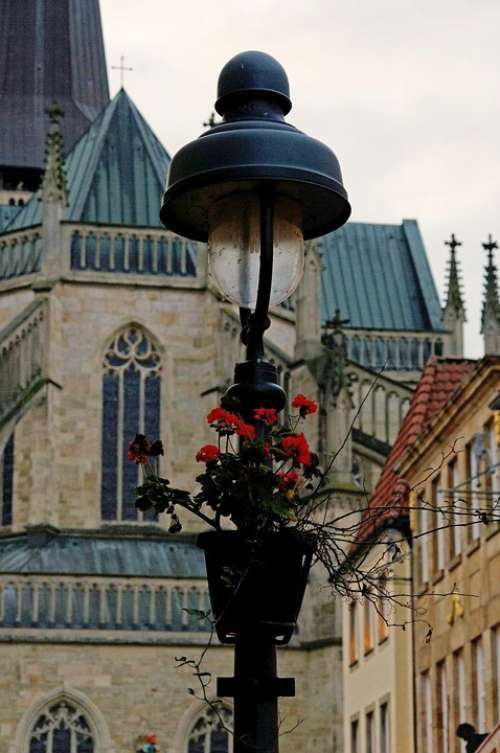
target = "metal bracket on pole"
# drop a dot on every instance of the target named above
(274, 687)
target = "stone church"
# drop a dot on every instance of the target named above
(109, 325)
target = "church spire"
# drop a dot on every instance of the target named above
(49, 49)
(454, 308)
(454, 298)
(490, 314)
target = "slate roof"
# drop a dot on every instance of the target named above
(441, 378)
(379, 277)
(100, 555)
(115, 172)
(39, 44)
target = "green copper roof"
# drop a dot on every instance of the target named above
(101, 555)
(378, 277)
(115, 172)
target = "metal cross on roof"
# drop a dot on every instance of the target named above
(453, 243)
(336, 323)
(211, 122)
(490, 245)
(122, 68)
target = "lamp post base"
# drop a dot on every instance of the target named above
(255, 689)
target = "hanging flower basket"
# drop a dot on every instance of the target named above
(256, 585)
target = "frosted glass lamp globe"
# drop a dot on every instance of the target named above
(234, 247)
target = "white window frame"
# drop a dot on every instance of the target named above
(475, 504)
(424, 542)
(493, 452)
(479, 683)
(496, 649)
(427, 709)
(444, 708)
(440, 532)
(385, 727)
(457, 519)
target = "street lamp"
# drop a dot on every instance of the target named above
(254, 187)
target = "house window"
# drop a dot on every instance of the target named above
(383, 610)
(368, 632)
(370, 733)
(427, 711)
(62, 728)
(442, 693)
(6, 481)
(353, 632)
(385, 734)
(423, 541)
(355, 736)
(496, 656)
(210, 732)
(457, 519)
(491, 470)
(460, 690)
(473, 453)
(478, 684)
(131, 393)
(439, 524)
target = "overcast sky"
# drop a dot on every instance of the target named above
(406, 92)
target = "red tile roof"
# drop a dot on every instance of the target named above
(440, 379)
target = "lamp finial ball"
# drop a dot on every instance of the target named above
(253, 74)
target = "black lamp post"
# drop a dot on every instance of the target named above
(255, 188)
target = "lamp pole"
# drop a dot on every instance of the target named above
(255, 187)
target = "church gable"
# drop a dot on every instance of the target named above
(379, 278)
(115, 173)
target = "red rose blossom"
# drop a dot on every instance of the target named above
(304, 405)
(223, 420)
(288, 481)
(295, 446)
(139, 449)
(268, 415)
(246, 431)
(207, 453)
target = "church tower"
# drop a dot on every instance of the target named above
(39, 43)
(454, 308)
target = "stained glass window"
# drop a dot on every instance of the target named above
(131, 387)
(62, 728)
(210, 733)
(6, 480)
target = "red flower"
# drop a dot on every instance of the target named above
(288, 481)
(295, 446)
(267, 450)
(207, 453)
(246, 431)
(304, 405)
(139, 449)
(268, 415)
(223, 420)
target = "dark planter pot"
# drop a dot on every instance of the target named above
(256, 586)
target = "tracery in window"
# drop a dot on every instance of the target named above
(209, 733)
(131, 387)
(62, 728)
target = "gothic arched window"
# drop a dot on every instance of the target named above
(209, 734)
(62, 728)
(131, 386)
(6, 482)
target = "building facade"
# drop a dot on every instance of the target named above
(109, 325)
(458, 662)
